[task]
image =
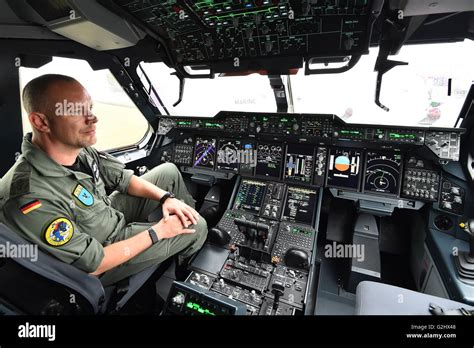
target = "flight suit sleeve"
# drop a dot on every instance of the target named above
(113, 172)
(50, 226)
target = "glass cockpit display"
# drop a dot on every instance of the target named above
(228, 155)
(205, 153)
(382, 174)
(300, 205)
(269, 158)
(250, 158)
(250, 195)
(299, 163)
(344, 168)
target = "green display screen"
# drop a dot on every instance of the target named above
(402, 136)
(212, 125)
(199, 309)
(352, 132)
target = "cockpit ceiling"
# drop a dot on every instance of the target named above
(229, 35)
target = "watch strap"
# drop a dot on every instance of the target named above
(165, 197)
(153, 235)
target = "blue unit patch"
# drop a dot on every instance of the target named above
(84, 196)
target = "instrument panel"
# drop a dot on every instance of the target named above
(376, 172)
(328, 129)
(316, 151)
(282, 162)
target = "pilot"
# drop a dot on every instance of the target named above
(56, 194)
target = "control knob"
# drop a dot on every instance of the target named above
(178, 299)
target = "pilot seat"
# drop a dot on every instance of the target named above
(374, 298)
(48, 286)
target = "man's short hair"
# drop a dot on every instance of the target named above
(35, 94)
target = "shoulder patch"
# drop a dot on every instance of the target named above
(59, 232)
(83, 195)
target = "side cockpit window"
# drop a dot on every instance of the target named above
(120, 123)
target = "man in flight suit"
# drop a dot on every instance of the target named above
(56, 193)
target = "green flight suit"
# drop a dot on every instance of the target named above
(70, 216)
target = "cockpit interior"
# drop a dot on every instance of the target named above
(327, 190)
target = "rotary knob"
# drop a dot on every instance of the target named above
(205, 279)
(178, 299)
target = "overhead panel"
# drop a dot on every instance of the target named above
(208, 31)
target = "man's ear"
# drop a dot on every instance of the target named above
(39, 122)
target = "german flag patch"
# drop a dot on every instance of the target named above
(29, 207)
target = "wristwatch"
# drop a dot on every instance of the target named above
(153, 235)
(166, 196)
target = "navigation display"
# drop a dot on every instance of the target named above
(299, 163)
(344, 168)
(205, 153)
(250, 195)
(300, 205)
(382, 174)
(228, 155)
(269, 158)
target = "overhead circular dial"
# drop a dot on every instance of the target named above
(382, 173)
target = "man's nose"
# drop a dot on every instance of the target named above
(91, 119)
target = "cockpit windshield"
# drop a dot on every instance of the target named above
(429, 91)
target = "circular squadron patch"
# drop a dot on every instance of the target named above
(59, 232)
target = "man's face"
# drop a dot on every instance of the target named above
(71, 121)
